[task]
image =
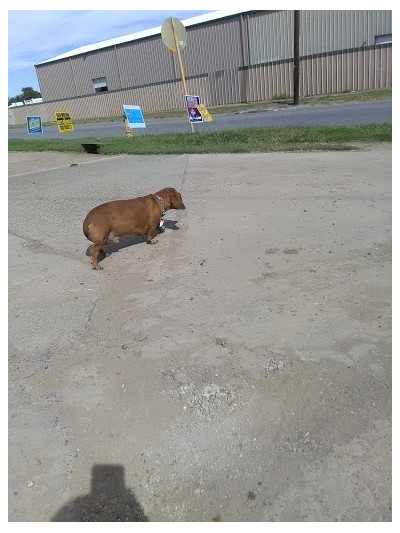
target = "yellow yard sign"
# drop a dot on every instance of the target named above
(204, 113)
(64, 121)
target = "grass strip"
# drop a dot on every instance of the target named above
(242, 140)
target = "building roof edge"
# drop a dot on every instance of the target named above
(199, 19)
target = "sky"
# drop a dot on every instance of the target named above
(43, 33)
(37, 35)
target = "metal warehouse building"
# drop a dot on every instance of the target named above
(230, 57)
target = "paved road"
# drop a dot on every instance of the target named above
(238, 370)
(328, 115)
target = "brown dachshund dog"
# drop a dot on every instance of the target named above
(138, 216)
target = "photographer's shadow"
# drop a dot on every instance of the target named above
(109, 501)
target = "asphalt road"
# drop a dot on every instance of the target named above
(327, 115)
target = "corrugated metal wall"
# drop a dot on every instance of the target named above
(271, 37)
(357, 71)
(248, 57)
(213, 47)
(98, 64)
(58, 81)
(328, 31)
(147, 61)
(366, 69)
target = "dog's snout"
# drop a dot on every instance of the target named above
(181, 205)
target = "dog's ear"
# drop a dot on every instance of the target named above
(177, 201)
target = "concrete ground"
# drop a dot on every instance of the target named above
(239, 370)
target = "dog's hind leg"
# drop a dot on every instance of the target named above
(95, 256)
(97, 248)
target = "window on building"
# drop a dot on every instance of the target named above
(383, 39)
(100, 85)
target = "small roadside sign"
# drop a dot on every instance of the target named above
(34, 124)
(192, 105)
(204, 113)
(64, 121)
(133, 116)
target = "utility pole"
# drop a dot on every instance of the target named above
(296, 58)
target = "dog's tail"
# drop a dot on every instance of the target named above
(86, 231)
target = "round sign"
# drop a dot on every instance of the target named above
(172, 31)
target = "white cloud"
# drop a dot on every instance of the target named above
(38, 35)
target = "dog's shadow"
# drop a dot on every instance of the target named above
(130, 240)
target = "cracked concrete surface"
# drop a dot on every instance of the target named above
(239, 370)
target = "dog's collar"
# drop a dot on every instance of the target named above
(161, 201)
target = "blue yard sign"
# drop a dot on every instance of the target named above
(133, 116)
(34, 124)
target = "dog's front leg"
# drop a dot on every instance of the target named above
(161, 228)
(103, 251)
(151, 234)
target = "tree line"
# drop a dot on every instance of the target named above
(28, 93)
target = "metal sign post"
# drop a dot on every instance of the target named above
(180, 62)
(173, 34)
